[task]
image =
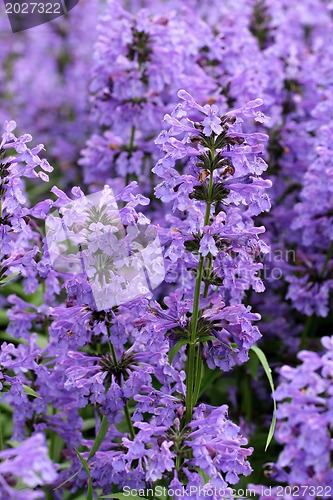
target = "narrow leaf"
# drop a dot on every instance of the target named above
(271, 429)
(86, 468)
(263, 360)
(100, 437)
(68, 480)
(30, 392)
(197, 378)
(203, 474)
(253, 365)
(97, 443)
(176, 348)
(6, 279)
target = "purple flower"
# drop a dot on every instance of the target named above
(305, 420)
(33, 469)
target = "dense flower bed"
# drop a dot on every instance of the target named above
(167, 252)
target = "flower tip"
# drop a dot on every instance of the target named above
(182, 94)
(9, 126)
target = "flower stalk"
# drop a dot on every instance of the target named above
(126, 409)
(194, 364)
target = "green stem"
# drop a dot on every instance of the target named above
(131, 143)
(130, 151)
(113, 353)
(198, 377)
(189, 382)
(178, 462)
(306, 331)
(126, 409)
(191, 366)
(209, 270)
(129, 421)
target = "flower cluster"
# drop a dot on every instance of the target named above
(48, 82)
(198, 141)
(305, 421)
(32, 469)
(140, 65)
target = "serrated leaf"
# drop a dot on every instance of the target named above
(86, 468)
(100, 437)
(176, 348)
(263, 360)
(30, 392)
(6, 279)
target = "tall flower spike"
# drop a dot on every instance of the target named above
(210, 175)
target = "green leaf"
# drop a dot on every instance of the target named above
(6, 279)
(263, 360)
(3, 318)
(68, 480)
(100, 437)
(253, 365)
(86, 468)
(198, 377)
(203, 474)
(97, 443)
(30, 392)
(176, 348)
(205, 338)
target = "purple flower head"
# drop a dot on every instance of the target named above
(33, 469)
(305, 419)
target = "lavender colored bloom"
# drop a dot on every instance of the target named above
(107, 382)
(204, 184)
(305, 420)
(32, 468)
(140, 63)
